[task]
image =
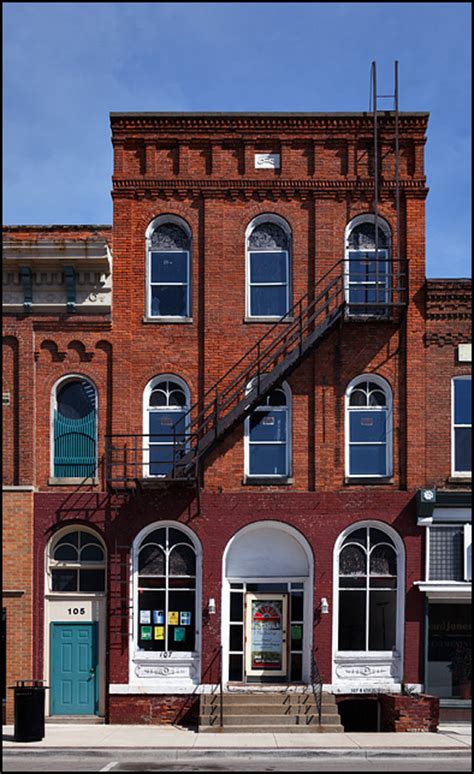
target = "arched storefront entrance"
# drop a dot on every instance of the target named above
(267, 611)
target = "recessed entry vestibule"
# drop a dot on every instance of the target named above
(267, 606)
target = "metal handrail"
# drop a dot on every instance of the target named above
(316, 684)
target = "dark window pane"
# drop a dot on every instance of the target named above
(377, 536)
(154, 603)
(377, 398)
(182, 637)
(236, 668)
(76, 400)
(462, 449)
(151, 561)
(276, 398)
(165, 426)
(66, 553)
(267, 460)
(64, 580)
(181, 582)
(236, 637)
(92, 580)
(92, 554)
(367, 460)
(357, 536)
(352, 620)
(296, 611)
(268, 301)
(352, 561)
(383, 581)
(158, 397)
(169, 301)
(366, 426)
(71, 537)
(236, 607)
(382, 620)
(157, 536)
(177, 536)
(450, 651)
(462, 401)
(268, 267)
(268, 425)
(383, 561)
(161, 459)
(177, 397)
(296, 666)
(358, 397)
(169, 267)
(352, 581)
(182, 561)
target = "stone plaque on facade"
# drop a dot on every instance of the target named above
(267, 161)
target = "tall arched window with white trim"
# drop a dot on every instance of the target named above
(166, 571)
(168, 269)
(268, 243)
(368, 577)
(368, 427)
(74, 428)
(368, 270)
(167, 402)
(268, 435)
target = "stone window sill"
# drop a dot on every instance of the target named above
(169, 320)
(378, 480)
(73, 481)
(460, 480)
(267, 481)
(269, 320)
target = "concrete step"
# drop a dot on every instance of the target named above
(269, 709)
(270, 698)
(258, 720)
(273, 729)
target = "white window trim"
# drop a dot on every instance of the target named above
(287, 390)
(162, 220)
(147, 410)
(457, 473)
(385, 387)
(53, 407)
(357, 221)
(52, 564)
(269, 217)
(468, 553)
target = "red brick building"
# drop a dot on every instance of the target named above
(226, 406)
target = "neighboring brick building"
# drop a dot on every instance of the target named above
(181, 529)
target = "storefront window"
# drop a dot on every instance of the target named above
(449, 651)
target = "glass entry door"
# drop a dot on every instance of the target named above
(266, 617)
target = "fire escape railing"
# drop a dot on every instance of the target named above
(345, 290)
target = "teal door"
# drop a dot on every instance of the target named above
(74, 667)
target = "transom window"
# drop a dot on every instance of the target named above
(166, 609)
(169, 251)
(268, 268)
(77, 563)
(368, 271)
(462, 425)
(368, 427)
(166, 409)
(267, 436)
(368, 586)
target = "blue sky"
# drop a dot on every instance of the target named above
(67, 65)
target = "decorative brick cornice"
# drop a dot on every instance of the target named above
(448, 339)
(449, 299)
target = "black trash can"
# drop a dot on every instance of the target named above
(29, 710)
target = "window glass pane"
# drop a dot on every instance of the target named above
(352, 620)
(383, 582)
(268, 425)
(382, 620)
(165, 424)
(268, 301)
(446, 553)
(181, 637)
(367, 460)
(352, 561)
(383, 561)
(266, 459)
(462, 402)
(66, 553)
(92, 580)
(296, 608)
(276, 398)
(236, 637)
(236, 607)
(169, 300)
(377, 398)
(268, 267)
(368, 426)
(182, 561)
(64, 580)
(450, 651)
(357, 536)
(358, 397)
(377, 536)
(154, 603)
(161, 459)
(71, 537)
(157, 536)
(76, 399)
(462, 449)
(169, 267)
(352, 581)
(296, 666)
(92, 554)
(86, 537)
(177, 398)
(362, 266)
(177, 536)
(236, 668)
(151, 561)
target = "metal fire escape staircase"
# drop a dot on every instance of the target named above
(262, 368)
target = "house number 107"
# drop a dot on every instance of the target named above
(77, 611)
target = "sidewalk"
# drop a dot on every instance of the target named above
(451, 738)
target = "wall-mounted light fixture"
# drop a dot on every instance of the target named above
(324, 605)
(211, 606)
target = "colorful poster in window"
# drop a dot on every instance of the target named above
(173, 618)
(159, 632)
(267, 636)
(158, 617)
(145, 632)
(179, 634)
(296, 632)
(185, 619)
(145, 616)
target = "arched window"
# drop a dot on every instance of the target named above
(166, 405)
(77, 562)
(369, 582)
(368, 271)
(368, 427)
(268, 241)
(166, 571)
(74, 428)
(169, 268)
(267, 436)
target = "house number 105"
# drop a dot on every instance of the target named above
(77, 611)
